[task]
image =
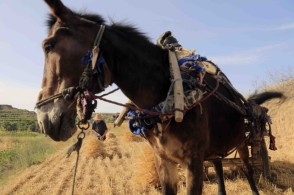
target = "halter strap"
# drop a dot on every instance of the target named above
(99, 36)
(74, 90)
(98, 60)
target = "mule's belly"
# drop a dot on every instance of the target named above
(225, 136)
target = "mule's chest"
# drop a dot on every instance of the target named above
(168, 147)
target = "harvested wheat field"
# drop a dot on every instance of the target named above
(123, 164)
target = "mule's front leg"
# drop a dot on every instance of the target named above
(168, 175)
(195, 175)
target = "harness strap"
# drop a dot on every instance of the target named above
(67, 94)
(96, 60)
(96, 44)
(99, 36)
(45, 101)
(71, 91)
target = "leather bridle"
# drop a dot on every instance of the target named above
(92, 59)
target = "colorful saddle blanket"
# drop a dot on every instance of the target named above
(198, 63)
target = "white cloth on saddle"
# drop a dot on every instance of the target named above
(184, 53)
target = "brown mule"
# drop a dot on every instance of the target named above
(141, 70)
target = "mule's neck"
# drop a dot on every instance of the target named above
(139, 68)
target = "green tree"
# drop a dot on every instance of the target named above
(22, 125)
(10, 126)
(33, 126)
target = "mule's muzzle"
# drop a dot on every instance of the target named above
(57, 119)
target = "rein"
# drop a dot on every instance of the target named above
(76, 147)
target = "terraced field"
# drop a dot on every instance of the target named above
(10, 114)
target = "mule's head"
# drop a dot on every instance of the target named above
(70, 36)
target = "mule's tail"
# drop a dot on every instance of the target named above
(265, 96)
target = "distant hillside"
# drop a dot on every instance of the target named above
(24, 119)
(19, 118)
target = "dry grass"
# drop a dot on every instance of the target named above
(122, 165)
(92, 147)
(129, 137)
(6, 143)
(145, 175)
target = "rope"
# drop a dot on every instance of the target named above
(45, 101)
(75, 173)
(109, 92)
(206, 97)
(149, 112)
(127, 106)
(231, 151)
(239, 109)
(168, 93)
(153, 113)
(76, 147)
(67, 93)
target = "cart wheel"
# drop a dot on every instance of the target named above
(265, 160)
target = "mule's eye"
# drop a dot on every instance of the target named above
(48, 47)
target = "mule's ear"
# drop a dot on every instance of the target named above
(58, 10)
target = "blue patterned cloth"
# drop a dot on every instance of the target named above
(191, 63)
(137, 125)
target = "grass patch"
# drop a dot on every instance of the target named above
(27, 148)
(19, 133)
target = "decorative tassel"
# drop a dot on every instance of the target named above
(272, 145)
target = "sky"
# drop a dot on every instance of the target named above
(249, 40)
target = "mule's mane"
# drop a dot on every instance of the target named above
(130, 33)
(127, 28)
(127, 32)
(93, 17)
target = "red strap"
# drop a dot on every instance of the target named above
(272, 145)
